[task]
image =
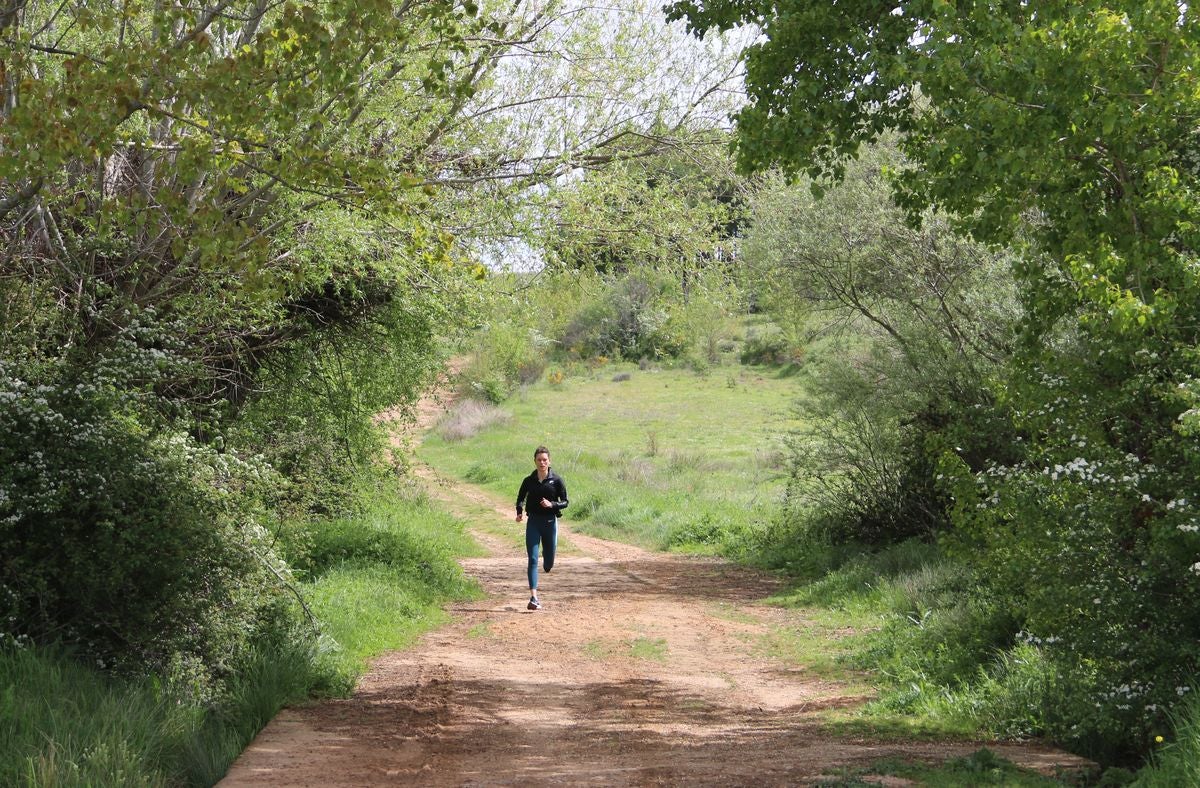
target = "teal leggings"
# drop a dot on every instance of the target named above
(544, 533)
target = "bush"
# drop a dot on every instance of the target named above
(632, 320)
(137, 546)
(729, 537)
(507, 355)
(313, 415)
(1095, 556)
(376, 581)
(772, 350)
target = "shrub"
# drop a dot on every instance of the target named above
(313, 411)
(134, 544)
(632, 320)
(707, 530)
(772, 350)
(507, 355)
(1094, 549)
(375, 582)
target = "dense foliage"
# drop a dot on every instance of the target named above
(172, 266)
(231, 236)
(1067, 131)
(375, 581)
(913, 321)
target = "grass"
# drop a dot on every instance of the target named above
(819, 645)
(377, 581)
(468, 418)
(730, 612)
(982, 767)
(481, 630)
(374, 583)
(654, 649)
(666, 459)
(65, 723)
(641, 647)
(1177, 759)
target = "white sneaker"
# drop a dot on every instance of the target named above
(534, 604)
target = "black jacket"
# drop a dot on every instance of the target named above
(532, 491)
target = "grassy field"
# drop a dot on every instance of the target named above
(663, 458)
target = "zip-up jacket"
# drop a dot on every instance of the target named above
(532, 491)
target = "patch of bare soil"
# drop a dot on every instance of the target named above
(641, 669)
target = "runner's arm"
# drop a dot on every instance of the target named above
(562, 501)
(521, 493)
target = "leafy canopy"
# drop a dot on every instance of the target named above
(1068, 131)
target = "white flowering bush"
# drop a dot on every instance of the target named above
(1092, 538)
(133, 544)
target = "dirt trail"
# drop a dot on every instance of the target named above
(641, 669)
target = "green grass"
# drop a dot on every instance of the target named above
(654, 649)
(641, 647)
(730, 612)
(373, 582)
(66, 723)
(597, 649)
(1176, 760)
(819, 645)
(979, 768)
(377, 581)
(667, 459)
(480, 630)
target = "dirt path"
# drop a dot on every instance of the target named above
(642, 669)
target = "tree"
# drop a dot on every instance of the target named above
(677, 210)
(849, 256)
(921, 319)
(1069, 131)
(232, 229)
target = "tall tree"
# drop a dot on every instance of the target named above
(232, 228)
(1067, 130)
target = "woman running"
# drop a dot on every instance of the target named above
(542, 496)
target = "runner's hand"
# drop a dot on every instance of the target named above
(546, 504)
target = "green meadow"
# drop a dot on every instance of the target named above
(664, 458)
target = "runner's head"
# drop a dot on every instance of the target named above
(541, 457)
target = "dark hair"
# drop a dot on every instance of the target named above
(540, 450)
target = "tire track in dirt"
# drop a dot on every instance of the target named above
(642, 669)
